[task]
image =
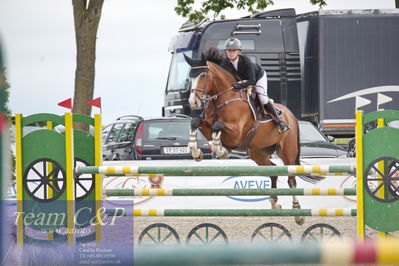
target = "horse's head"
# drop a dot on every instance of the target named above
(199, 81)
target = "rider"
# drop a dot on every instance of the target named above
(251, 74)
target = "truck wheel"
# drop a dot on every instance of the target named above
(351, 149)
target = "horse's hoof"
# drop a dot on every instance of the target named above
(296, 205)
(274, 204)
(220, 155)
(200, 157)
(224, 155)
(299, 220)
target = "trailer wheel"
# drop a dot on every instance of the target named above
(319, 232)
(44, 180)
(159, 234)
(207, 234)
(271, 233)
(383, 184)
(351, 149)
(84, 183)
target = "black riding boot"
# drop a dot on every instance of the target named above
(282, 126)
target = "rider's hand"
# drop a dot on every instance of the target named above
(236, 86)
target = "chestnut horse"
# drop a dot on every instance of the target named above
(228, 118)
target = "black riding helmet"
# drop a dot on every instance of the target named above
(232, 44)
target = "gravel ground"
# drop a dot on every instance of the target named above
(238, 230)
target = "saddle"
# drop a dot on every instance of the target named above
(257, 108)
(260, 116)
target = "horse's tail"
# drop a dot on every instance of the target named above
(311, 179)
(298, 142)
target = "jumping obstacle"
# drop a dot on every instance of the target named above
(220, 170)
(381, 137)
(233, 192)
(232, 212)
(46, 184)
(377, 150)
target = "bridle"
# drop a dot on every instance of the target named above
(206, 81)
(206, 99)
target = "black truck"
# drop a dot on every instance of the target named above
(323, 65)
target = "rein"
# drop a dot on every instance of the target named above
(219, 106)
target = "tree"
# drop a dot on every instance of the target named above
(4, 93)
(87, 14)
(185, 8)
(4, 107)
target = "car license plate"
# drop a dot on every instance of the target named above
(176, 150)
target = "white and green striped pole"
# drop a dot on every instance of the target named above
(232, 192)
(231, 212)
(220, 170)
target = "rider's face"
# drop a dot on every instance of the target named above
(232, 54)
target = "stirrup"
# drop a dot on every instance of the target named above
(282, 127)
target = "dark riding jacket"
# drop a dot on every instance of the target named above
(246, 70)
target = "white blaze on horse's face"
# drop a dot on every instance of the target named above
(194, 100)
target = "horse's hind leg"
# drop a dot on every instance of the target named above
(262, 157)
(295, 203)
(289, 160)
(273, 198)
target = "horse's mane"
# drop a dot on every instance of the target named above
(214, 55)
(224, 72)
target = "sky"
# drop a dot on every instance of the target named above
(132, 58)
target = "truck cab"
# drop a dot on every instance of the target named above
(268, 38)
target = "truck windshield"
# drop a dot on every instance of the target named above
(178, 73)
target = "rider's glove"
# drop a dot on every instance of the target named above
(236, 86)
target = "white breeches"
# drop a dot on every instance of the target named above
(261, 89)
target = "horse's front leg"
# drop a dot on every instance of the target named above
(295, 203)
(217, 147)
(196, 152)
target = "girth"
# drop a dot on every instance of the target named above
(251, 132)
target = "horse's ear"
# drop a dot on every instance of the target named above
(203, 58)
(188, 60)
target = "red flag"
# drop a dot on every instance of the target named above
(67, 103)
(3, 122)
(96, 102)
